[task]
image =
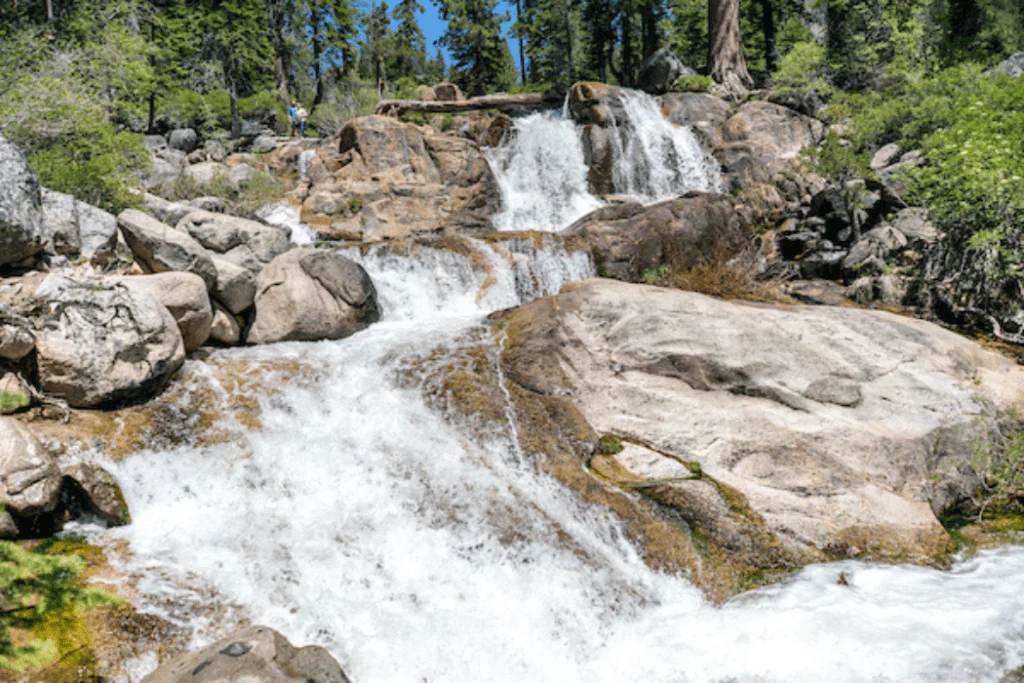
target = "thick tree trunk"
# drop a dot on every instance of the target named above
(499, 102)
(277, 18)
(726, 63)
(771, 52)
(522, 48)
(649, 29)
(318, 69)
(627, 49)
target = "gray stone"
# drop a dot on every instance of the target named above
(8, 528)
(99, 343)
(96, 492)
(155, 143)
(197, 157)
(21, 211)
(161, 173)
(764, 399)
(164, 211)
(241, 175)
(1011, 66)
(264, 144)
(183, 139)
(97, 233)
(60, 223)
(225, 328)
(29, 478)
(256, 655)
(220, 233)
(160, 248)
(211, 204)
(175, 158)
(236, 285)
(309, 294)
(914, 224)
(660, 71)
(16, 340)
(209, 172)
(885, 156)
(185, 296)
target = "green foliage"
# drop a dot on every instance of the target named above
(609, 444)
(804, 69)
(482, 60)
(693, 84)
(12, 401)
(999, 463)
(656, 276)
(34, 586)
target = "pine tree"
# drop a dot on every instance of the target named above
(410, 46)
(331, 27)
(482, 60)
(236, 31)
(378, 46)
(726, 62)
(173, 43)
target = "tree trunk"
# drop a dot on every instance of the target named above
(771, 52)
(49, 11)
(499, 102)
(318, 70)
(648, 29)
(627, 49)
(522, 50)
(726, 63)
(276, 17)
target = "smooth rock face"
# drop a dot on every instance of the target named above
(263, 144)
(16, 340)
(660, 71)
(29, 478)
(310, 294)
(225, 328)
(1011, 66)
(183, 139)
(628, 239)
(160, 248)
(185, 296)
(845, 431)
(60, 223)
(100, 343)
(21, 214)
(389, 179)
(256, 655)
(236, 286)
(704, 113)
(72, 228)
(221, 234)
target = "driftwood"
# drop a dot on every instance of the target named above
(499, 102)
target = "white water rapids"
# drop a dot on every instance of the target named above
(359, 518)
(542, 172)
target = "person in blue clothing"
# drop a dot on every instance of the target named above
(293, 118)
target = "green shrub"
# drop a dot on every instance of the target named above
(35, 586)
(804, 69)
(695, 83)
(999, 463)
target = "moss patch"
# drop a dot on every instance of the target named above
(13, 401)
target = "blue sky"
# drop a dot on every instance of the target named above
(433, 26)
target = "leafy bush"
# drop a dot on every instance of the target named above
(695, 83)
(804, 69)
(999, 462)
(34, 586)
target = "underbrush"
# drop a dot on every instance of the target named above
(261, 189)
(719, 276)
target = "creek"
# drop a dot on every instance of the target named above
(360, 518)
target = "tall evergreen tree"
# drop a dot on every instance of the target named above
(173, 43)
(331, 29)
(236, 32)
(481, 58)
(378, 46)
(409, 56)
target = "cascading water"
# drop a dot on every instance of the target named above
(542, 175)
(359, 518)
(656, 160)
(542, 172)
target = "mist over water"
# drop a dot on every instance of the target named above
(361, 519)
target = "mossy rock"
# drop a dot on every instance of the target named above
(609, 445)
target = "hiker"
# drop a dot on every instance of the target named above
(293, 118)
(301, 114)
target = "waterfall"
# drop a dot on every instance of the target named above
(305, 161)
(655, 159)
(542, 172)
(359, 518)
(542, 175)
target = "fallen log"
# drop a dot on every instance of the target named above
(499, 102)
